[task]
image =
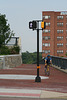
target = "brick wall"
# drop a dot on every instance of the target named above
(54, 34)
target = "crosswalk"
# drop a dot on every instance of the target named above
(20, 93)
(30, 93)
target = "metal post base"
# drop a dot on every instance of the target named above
(37, 79)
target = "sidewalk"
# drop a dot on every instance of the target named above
(30, 93)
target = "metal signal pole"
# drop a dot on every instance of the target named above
(35, 26)
(38, 79)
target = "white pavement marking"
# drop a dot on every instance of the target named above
(20, 90)
(31, 93)
(20, 93)
(22, 77)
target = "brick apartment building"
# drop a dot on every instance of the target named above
(54, 37)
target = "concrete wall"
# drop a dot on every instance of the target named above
(10, 61)
(1, 64)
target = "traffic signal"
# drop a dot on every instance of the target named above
(33, 25)
(43, 25)
(30, 25)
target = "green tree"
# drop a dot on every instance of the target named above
(15, 50)
(4, 50)
(5, 31)
(30, 58)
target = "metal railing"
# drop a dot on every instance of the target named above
(13, 41)
(57, 61)
(60, 62)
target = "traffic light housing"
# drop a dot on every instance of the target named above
(43, 25)
(33, 25)
(30, 25)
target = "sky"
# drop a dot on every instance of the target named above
(20, 12)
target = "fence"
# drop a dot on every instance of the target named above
(57, 61)
(13, 41)
(60, 62)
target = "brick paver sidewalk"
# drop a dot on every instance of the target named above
(57, 81)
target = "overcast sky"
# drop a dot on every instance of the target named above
(20, 12)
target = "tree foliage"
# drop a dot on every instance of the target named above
(15, 50)
(30, 58)
(5, 50)
(5, 31)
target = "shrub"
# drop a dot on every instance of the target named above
(4, 50)
(15, 50)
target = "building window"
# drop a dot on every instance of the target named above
(46, 31)
(46, 37)
(46, 51)
(60, 38)
(59, 44)
(46, 17)
(59, 24)
(59, 51)
(59, 31)
(47, 24)
(59, 17)
(47, 44)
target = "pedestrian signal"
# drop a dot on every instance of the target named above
(33, 25)
(43, 25)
